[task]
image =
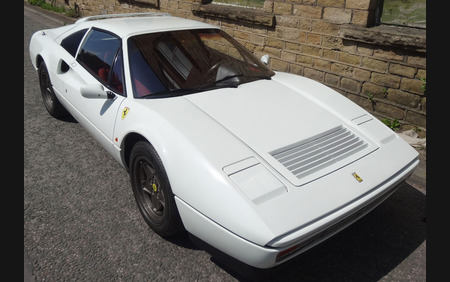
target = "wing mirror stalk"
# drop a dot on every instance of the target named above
(96, 91)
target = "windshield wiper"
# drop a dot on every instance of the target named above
(236, 79)
(227, 81)
(171, 93)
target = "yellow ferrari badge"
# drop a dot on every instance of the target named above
(125, 111)
(357, 177)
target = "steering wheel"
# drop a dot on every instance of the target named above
(214, 69)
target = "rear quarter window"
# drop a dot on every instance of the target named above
(71, 42)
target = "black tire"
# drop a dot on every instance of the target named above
(152, 191)
(51, 103)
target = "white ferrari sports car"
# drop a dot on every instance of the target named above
(261, 165)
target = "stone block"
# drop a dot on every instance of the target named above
(238, 34)
(358, 4)
(282, 8)
(337, 15)
(288, 56)
(331, 79)
(350, 85)
(412, 85)
(349, 58)
(387, 80)
(314, 74)
(322, 64)
(309, 12)
(274, 42)
(403, 98)
(287, 21)
(421, 73)
(279, 65)
(392, 111)
(394, 55)
(331, 3)
(332, 42)
(342, 69)
(360, 74)
(296, 47)
(330, 54)
(305, 60)
(324, 28)
(296, 69)
(418, 61)
(360, 18)
(311, 50)
(313, 38)
(374, 64)
(416, 118)
(372, 89)
(402, 70)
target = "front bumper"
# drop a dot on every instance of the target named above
(289, 245)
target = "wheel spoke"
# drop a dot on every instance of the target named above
(153, 196)
(149, 193)
(145, 176)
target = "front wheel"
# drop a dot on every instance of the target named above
(152, 191)
(53, 106)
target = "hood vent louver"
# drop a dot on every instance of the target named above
(320, 151)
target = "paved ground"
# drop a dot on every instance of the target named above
(81, 221)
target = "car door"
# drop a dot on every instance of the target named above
(99, 62)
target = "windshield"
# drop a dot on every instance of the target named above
(187, 61)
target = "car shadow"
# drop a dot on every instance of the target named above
(67, 118)
(182, 239)
(365, 251)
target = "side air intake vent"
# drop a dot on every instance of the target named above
(320, 151)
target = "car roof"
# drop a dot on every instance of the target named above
(125, 25)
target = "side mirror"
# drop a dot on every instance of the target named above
(265, 59)
(95, 91)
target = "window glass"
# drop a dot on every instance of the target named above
(144, 79)
(71, 42)
(188, 61)
(403, 12)
(116, 78)
(97, 53)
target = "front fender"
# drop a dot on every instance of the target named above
(194, 150)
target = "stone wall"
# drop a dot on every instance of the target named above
(381, 68)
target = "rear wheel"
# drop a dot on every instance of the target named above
(152, 191)
(53, 106)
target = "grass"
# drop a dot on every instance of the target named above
(59, 9)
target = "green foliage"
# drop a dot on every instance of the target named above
(385, 93)
(36, 2)
(394, 124)
(424, 84)
(371, 99)
(73, 13)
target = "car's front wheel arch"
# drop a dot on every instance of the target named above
(127, 145)
(39, 59)
(152, 189)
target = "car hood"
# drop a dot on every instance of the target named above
(266, 114)
(274, 116)
(233, 134)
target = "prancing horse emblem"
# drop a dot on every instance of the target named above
(357, 177)
(125, 111)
